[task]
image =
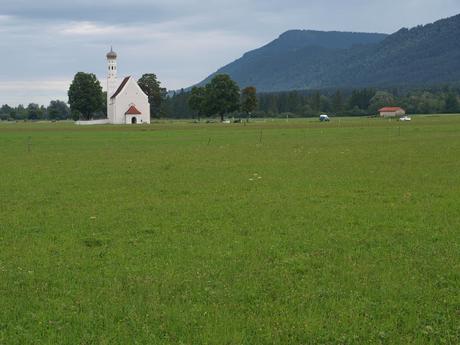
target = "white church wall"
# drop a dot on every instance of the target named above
(93, 122)
(139, 119)
(131, 94)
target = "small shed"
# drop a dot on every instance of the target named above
(392, 112)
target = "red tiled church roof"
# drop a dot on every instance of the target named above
(389, 109)
(120, 88)
(133, 111)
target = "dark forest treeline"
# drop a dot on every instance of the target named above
(358, 102)
(56, 110)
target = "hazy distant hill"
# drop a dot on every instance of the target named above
(313, 59)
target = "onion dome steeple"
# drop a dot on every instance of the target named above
(111, 54)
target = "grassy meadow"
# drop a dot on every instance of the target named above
(273, 232)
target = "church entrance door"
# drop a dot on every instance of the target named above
(134, 120)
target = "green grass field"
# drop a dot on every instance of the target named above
(276, 232)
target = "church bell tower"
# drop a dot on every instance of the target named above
(112, 82)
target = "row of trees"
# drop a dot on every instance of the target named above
(222, 96)
(56, 110)
(359, 102)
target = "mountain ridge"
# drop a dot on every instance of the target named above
(310, 59)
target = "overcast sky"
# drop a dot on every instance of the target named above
(43, 43)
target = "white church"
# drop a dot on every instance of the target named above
(126, 102)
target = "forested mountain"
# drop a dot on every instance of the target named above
(299, 60)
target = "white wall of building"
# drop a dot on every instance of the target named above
(393, 113)
(93, 122)
(131, 94)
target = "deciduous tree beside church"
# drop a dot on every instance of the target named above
(85, 95)
(156, 94)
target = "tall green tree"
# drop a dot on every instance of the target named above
(20, 112)
(197, 101)
(452, 104)
(294, 102)
(150, 84)
(361, 99)
(316, 102)
(85, 95)
(429, 103)
(177, 105)
(6, 112)
(58, 110)
(249, 100)
(326, 105)
(273, 104)
(222, 96)
(381, 99)
(104, 109)
(34, 112)
(337, 102)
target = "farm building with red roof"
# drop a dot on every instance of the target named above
(392, 112)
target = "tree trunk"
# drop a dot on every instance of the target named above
(221, 117)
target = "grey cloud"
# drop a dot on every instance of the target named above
(182, 41)
(237, 10)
